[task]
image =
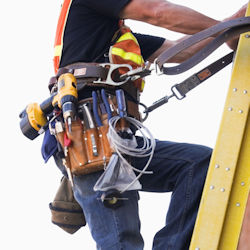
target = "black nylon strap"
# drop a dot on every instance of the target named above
(196, 79)
(180, 90)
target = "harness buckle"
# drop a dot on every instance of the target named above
(176, 92)
(157, 68)
(112, 68)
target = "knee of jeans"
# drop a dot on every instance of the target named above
(206, 154)
(201, 153)
(202, 161)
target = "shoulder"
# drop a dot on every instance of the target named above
(110, 8)
(144, 10)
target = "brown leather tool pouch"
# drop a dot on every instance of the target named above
(89, 149)
(65, 211)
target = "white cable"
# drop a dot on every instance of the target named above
(121, 148)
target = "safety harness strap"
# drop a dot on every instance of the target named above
(232, 28)
(181, 89)
(196, 79)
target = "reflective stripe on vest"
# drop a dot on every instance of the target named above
(126, 50)
(127, 55)
(58, 45)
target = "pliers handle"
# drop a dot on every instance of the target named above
(95, 109)
(106, 104)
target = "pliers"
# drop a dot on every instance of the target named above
(95, 107)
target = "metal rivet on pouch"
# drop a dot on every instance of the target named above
(235, 89)
(242, 183)
(237, 204)
(222, 189)
(211, 187)
(230, 109)
(227, 169)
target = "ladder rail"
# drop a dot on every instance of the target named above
(226, 189)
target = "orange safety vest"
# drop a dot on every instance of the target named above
(126, 49)
(58, 45)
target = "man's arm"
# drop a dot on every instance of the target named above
(176, 18)
(167, 15)
(171, 16)
(183, 55)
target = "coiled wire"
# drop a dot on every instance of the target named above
(122, 148)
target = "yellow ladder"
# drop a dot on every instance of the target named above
(226, 191)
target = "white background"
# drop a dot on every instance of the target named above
(27, 184)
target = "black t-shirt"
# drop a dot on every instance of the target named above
(90, 26)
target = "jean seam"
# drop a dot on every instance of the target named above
(117, 229)
(187, 199)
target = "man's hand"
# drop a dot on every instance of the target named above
(232, 44)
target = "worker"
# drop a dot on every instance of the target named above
(91, 27)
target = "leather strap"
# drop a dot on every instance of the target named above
(231, 29)
(87, 73)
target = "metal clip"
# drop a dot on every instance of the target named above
(51, 128)
(112, 68)
(177, 93)
(158, 70)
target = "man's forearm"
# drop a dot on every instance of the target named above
(183, 55)
(182, 19)
(167, 15)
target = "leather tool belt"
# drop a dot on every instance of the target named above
(87, 149)
(98, 75)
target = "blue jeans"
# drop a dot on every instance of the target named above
(179, 168)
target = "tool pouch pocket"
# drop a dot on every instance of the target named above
(65, 211)
(89, 149)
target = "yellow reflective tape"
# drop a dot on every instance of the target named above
(127, 55)
(58, 50)
(127, 36)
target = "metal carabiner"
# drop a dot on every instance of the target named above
(112, 68)
(139, 72)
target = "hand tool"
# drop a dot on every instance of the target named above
(95, 109)
(106, 103)
(90, 126)
(121, 103)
